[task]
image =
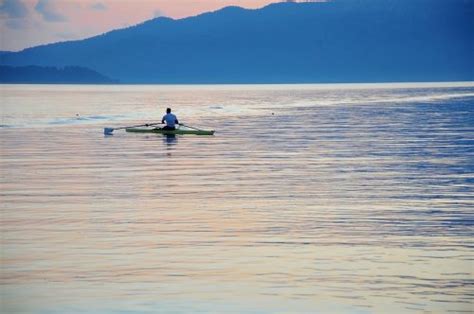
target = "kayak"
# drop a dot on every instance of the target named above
(170, 132)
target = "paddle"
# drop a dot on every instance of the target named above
(190, 127)
(108, 131)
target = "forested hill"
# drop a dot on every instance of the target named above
(334, 41)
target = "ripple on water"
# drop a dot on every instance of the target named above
(300, 202)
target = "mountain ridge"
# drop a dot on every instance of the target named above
(337, 41)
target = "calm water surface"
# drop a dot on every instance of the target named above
(309, 198)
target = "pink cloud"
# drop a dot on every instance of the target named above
(49, 11)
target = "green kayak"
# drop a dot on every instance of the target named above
(170, 132)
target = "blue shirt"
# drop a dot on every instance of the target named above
(170, 120)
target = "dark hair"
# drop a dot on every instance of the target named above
(168, 110)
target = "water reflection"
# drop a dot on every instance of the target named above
(170, 139)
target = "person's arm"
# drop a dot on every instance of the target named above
(176, 121)
(163, 120)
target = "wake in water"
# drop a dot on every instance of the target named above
(76, 120)
(80, 119)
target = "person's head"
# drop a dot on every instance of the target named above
(168, 110)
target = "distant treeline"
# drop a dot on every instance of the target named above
(52, 75)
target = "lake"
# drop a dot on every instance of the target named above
(308, 198)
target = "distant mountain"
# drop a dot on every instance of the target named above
(336, 41)
(51, 75)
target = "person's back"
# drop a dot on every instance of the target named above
(170, 119)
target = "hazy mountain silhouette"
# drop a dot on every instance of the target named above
(338, 41)
(51, 75)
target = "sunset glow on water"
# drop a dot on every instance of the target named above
(309, 198)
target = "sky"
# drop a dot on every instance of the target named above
(28, 23)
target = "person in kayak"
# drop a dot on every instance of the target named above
(170, 119)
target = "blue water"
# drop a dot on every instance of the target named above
(309, 198)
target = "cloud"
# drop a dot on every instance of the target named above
(13, 9)
(98, 6)
(17, 24)
(49, 11)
